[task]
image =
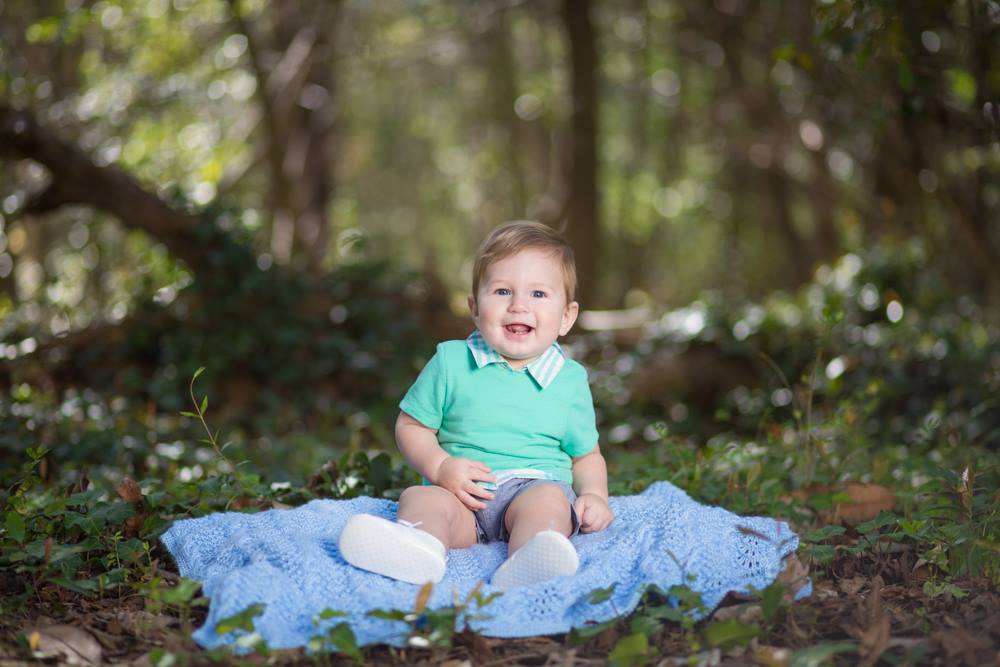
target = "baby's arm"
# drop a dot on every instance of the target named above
(419, 446)
(590, 481)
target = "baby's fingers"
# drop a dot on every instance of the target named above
(581, 513)
(480, 474)
(470, 501)
(479, 465)
(474, 489)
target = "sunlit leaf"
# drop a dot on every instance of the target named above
(630, 650)
(816, 656)
(14, 524)
(731, 632)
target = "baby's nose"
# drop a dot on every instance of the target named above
(517, 304)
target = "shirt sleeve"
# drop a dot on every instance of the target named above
(581, 422)
(425, 400)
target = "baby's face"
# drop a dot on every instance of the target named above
(521, 307)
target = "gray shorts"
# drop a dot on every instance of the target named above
(490, 525)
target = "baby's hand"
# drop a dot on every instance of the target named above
(460, 475)
(594, 513)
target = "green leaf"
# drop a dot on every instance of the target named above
(204, 405)
(580, 635)
(644, 624)
(82, 586)
(823, 533)
(963, 86)
(599, 595)
(342, 638)
(162, 658)
(815, 656)
(905, 76)
(112, 513)
(185, 413)
(934, 589)
(770, 599)
(328, 613)
(784, 52)
(883, 519)
(84, 522)
(181, 593)
(630, 650)
(198, 372)
(823, 553)
(725, 634)
(391, 615)
(241, 621)
(14, 524)
(44, 30)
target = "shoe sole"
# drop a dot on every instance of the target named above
(545, 556)
(374, 545)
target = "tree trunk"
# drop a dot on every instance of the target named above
(500, 105)
(582, 222)
(296, 97)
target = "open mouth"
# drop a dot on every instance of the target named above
(518, 329)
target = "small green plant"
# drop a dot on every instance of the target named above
(680, 605)
(428, 628)
(241, 625)
(236, 483)
(181, 597)
(338, 637)
(73, 540)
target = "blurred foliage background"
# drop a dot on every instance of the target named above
(785, 213)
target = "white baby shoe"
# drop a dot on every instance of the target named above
(397, 550)
(546, 555)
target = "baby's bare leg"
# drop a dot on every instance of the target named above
(541, 507)
(440, 513)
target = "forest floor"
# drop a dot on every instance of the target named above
(865, 609)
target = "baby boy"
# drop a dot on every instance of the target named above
(501, 426)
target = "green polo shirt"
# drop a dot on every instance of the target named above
(486, 411)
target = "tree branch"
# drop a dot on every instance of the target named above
(77, 180)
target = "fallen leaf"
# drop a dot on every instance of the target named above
(130, 492)
(326, 474)
(140, 621)
(957, 643)
(68, 645)
(851, 586)
(772, 656)
(874, 641)
(824, 590)
(867, 500)
(423, 595)
(133, 524)
(744, 613)
(794, 576)
(870, 608)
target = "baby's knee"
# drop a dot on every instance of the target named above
(414, 494)
(550, 500)
(432, 498)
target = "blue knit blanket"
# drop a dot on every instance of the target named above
(288, 560)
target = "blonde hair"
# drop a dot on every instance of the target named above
(511, 238)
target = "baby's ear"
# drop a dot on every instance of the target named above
(472, 305)
(569, 317)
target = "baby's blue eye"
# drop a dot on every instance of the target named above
(502, 291)
(538, 294)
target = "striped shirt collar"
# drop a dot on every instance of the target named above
(544, 369)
